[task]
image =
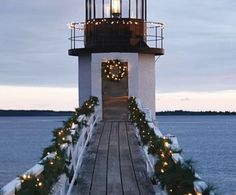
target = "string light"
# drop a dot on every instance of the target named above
(157, 146)
(40, 184)
(24, 177)
(166, 144)
(56, 161)
(198, 193)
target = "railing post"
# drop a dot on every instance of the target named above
(84, 33)
(156, 35)
(74, 38)
(162, 38)
(71, 35)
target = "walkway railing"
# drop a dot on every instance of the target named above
(165, 163)
(72, 141)
(65, 184)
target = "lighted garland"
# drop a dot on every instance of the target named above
(56, 166)
(114, 70)
(176, 178)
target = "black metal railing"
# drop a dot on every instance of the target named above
(153, 35)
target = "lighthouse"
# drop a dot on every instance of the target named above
(116, 49)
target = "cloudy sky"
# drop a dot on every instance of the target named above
(198, 71)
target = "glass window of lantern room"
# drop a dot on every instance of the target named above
(139, 9)
(92, 9)
(133, 8)
(125, 8)
(107, 8)
(99, 9)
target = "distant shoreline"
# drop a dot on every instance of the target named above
(193, 113)
(22, 113)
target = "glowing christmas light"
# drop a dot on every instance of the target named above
(198, 193)
(167, 144)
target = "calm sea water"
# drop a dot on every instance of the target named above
(208, 140)
(211, 142)
(22, 140)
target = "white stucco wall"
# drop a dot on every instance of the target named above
(84, 78)
(141, 77)
(146, 81)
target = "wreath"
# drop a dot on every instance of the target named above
(114, 70)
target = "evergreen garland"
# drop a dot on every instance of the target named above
(177, 178)
(55, 167)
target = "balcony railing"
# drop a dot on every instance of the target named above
(153, 33)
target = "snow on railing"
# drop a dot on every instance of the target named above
(14, 185)
(151, 160)
(80, 148)
(64, 184)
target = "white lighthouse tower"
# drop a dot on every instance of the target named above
(117, 56)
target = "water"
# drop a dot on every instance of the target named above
(208, 140)
(211, 142)
(22, 140)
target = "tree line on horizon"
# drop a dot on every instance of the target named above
(182, 112)
(35, 113)
(69, 113)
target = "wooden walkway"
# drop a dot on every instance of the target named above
(113, 163)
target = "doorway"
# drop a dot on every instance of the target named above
(115, 90)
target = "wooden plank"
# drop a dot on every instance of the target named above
(114, 185)
(129, 182)
(99, 181)
(114, 163)
(139, 164)
(86, 170)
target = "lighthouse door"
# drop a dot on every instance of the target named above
(115, 90)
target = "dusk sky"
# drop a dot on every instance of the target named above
(198, 71)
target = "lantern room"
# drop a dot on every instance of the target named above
(135, 9)
(116, 26)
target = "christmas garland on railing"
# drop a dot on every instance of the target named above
(177, 178)
(59, 162)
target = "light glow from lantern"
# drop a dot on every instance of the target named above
(116, 7)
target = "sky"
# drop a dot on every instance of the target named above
(197, 72)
